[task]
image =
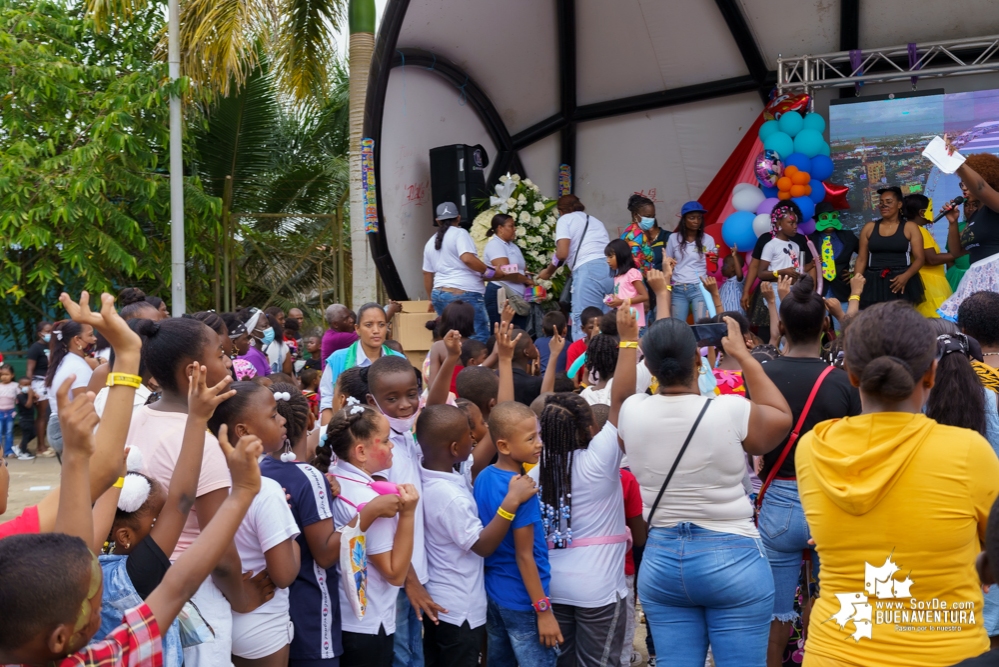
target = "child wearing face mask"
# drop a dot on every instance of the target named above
(26, 416)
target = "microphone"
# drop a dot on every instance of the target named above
(957, 201)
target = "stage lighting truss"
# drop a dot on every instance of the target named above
(956, 57)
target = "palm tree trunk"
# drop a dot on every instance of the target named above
(362, 44)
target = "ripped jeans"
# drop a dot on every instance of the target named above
(785, 535)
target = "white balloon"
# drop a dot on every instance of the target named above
(744, 186)
(748, 199)
(761, 224)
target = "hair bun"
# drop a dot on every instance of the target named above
(888, 377)
(135, 492)
(802, 290)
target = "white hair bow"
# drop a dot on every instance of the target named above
(357, 409)
(58, 334)
(282, 396)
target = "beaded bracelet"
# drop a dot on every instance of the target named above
(124, 379)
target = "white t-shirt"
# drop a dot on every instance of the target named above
(706, 488)
(277, 351)
(407, 461)
(643, 380)
(570, 226)
(592, 576)
(71, 364)
(456, 578)
(781, 254)
(691, 265)
(267, 523)
(497, 247)
(379, 539)
(446, 264)
(142, 394)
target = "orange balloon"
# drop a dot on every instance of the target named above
(808, 190)
(801, 178)
(784, 184)
(783, 195)
(790, 170)
(798, 190)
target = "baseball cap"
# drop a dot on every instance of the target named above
(692, 207)
(447, 211)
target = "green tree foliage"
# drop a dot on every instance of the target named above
(84, 192)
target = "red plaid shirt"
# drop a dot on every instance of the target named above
(134, 643)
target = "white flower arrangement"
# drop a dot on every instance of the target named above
(536, 216)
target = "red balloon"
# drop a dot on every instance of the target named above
(836, 195)
(780, 104)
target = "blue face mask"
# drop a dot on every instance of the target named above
(268, 336)
(46, 337)
(646, 223)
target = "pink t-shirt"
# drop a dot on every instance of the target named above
(159, 435)
(624, 288)
(8, 392)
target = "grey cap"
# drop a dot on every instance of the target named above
(447, 211)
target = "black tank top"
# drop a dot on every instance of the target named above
(888, 252)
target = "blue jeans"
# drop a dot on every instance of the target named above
(591, 282)
(701, 587)
(514, 639)
(407, 648)
(441, 299)
(7, 430)
(688, 297)
(785, 535)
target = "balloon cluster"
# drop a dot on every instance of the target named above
(793, 165)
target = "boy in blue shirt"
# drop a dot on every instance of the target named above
(521, 625)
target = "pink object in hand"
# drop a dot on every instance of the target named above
(384, 488)
(509, 268)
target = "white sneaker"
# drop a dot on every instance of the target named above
(25, 456)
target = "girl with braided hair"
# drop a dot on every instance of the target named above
(601, 361)
(583, 515)
(359, 438)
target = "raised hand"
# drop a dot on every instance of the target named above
(767, 291)
(734, 343)
(508, 313)
(658, 280)
(627, 323)
(556, 345)
(452, 342)
(784, 286)
(107, 321)
(506, 344)
(202, 399)
(711, 284)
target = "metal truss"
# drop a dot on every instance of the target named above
(955, 57)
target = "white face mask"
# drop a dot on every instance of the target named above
(399, 424)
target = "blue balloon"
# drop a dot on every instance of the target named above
(779, 142)
(808, 142)
(822, 167)
(814, 121)
(770, 192)
(799, 160)
(818, 191)
(768, 128)
(737, 230)
(791, 123)
(806, 205)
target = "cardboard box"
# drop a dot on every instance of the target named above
(409, 327)
(415, 306)
(417, 359)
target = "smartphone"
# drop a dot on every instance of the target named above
(710, 334)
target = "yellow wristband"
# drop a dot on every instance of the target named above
(669, 287)
(504, 514)
(124, 379)
(776, 274)
(854, 297)
(628, 345)
(120, 483)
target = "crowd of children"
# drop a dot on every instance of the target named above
(480, 509)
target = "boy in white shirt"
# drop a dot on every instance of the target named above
(456, 542)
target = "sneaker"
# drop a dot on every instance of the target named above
(652, 661)
(47, 454)
(25, 456)
(636, 657)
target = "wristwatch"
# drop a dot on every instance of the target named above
(542, 605)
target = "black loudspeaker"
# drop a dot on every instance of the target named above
(457, 174)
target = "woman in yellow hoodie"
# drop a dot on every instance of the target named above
(897, 505)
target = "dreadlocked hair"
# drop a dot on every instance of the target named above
(601, 356)
(565, 427)
(295, 410)
(347, 427)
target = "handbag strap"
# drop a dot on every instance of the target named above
(793, 437)
(672, 470)
(580, 246)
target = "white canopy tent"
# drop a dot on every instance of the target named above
(636, 95)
